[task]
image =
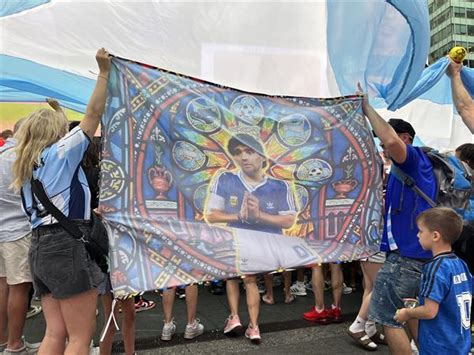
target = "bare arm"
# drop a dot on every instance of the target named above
(393, 144)
(462, 99)
(428, 311)
(217, 216)
(95, 107)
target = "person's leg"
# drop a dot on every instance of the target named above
(191, 302)
(369, 271)
(358, 329)
(286, 287)
(169, 327)
(232, 324)
(3, 310)
(106, 343)
(17, 308)
(253, 299)
(398, 341)
(268, 296)
(336, 284)
(300, 275)
(54, 340)
(128, 325)
(79, 316)
(233, 295)
(317, 280)
(167, 302)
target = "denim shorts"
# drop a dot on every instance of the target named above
(60, 264)
(399, 278)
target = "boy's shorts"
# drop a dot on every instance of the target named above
(399, 278)
(60, 264)
(14, 263)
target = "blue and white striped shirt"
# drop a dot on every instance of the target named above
(63, 179)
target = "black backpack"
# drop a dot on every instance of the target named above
(464, 246)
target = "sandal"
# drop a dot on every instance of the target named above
(379, 338)
(267, 300)
(290, 299)
(363, 340)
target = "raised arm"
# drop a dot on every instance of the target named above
(462, 99)
(95, 107)
(393, 144)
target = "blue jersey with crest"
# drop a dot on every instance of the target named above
(447, 281)
(275, 197)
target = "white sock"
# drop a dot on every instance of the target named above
(358, 325)
(300, 283)
(370, 328)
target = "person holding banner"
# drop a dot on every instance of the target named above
(249, 199)
(400, 276)
(462, 99)
(64, 275)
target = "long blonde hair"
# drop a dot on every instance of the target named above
(39, 130)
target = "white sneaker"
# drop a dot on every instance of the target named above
(346, 289)
(168, 331)
(298, 289)
(28, 348)
(193, 330)
(33, 311)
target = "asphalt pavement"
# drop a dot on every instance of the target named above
(282, 327)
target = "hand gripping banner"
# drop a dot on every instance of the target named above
(202, 182)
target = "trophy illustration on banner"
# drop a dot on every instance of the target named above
(160, 179)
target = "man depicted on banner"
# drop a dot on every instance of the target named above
(462, 99)
(249, 199)
(400, 276)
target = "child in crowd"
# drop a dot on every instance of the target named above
(446, 288)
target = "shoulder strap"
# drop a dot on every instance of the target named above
(407, 180)
(38, 189)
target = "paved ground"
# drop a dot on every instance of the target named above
(283, 329)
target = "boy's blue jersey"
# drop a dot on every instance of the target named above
(275, 197)
(447, 281)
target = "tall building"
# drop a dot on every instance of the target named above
(451, 24)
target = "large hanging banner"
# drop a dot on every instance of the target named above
(202, 182)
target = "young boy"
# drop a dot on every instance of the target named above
(446, 288)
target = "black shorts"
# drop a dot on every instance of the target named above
(60, 264)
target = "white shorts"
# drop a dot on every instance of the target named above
(14, 264)
(261, 252)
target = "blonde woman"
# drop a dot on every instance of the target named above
(63, 274)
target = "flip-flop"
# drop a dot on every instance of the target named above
(363, 340)
(267, 300)
(290, 300)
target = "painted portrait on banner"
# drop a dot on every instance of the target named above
(203, 182)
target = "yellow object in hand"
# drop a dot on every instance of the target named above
(457, 54)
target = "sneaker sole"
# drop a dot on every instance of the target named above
(142, 309)
(254, 340)
(167, 337)
(299, 293)
(324, 321)
(234, 331)
(192, 336)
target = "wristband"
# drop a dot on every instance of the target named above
(102, 76)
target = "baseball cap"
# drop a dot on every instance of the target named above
(402, 126)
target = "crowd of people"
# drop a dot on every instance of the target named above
(415, 288)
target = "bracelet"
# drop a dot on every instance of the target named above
(102, 76)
